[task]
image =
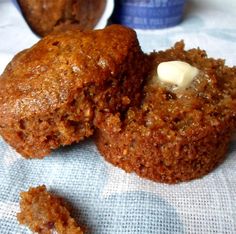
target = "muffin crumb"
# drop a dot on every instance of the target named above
(44, 212)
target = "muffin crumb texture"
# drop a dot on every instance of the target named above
(45, 213)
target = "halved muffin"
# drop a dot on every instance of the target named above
(52, 93)
(177, 134)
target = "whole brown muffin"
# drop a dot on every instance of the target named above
(175, 136)
(44, 212)
(51, 94)
(44, 15)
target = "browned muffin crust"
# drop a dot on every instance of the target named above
(44, 15)
(175, 136)
(44, 213)
(51, 94)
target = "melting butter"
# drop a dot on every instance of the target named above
(177, 73)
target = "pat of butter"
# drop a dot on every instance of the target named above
(177, 73)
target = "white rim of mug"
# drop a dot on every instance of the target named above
(106, 15)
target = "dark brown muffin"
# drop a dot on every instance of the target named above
(44, 212)
(51, 94)
(175, 135)
(44, 15)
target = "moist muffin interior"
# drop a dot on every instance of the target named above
(175, 135)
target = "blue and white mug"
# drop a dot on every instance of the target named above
(148, 14)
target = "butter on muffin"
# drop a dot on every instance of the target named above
(53, 93)
(44, 212)
(43, 15)
(183, 127)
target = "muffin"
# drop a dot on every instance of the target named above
(43, 15)
(53, 93)
(177, 134)
(44, 212)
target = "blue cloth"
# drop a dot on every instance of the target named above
(107, 200)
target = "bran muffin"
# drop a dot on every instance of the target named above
(43, 15)
(175, 135)
(52, 93)
(44, 212)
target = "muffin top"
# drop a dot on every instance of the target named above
(50, 73)
(44, 15)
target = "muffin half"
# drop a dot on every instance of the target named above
(177, 134)
(52, 93)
